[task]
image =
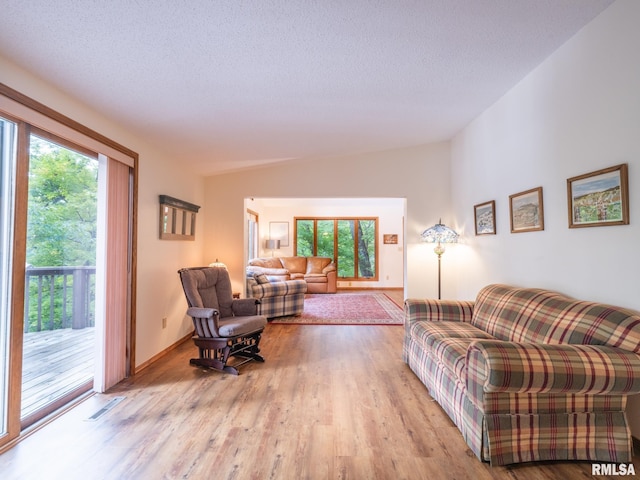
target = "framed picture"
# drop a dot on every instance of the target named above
(599, 198)
(279, 231)
(390, 238)
(526, 211)
(485, 215)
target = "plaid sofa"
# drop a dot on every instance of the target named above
(529, 374)
(277, 299)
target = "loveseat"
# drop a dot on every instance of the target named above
(319, 273)
(529, 374)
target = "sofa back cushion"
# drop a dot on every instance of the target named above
(532, 315)
(317, 264)
(294, 264)
(268, 262)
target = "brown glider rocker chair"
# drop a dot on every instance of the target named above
(224, 327)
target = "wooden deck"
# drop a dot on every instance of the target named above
(55, 363)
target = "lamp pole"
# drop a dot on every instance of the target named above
(439, 250)
(439, 234)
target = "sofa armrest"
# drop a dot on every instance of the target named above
(244, 306)
(437, 310)
(499, 366)
(278, 289)
(332, 280)
(329, 268)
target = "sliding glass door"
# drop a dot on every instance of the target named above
(67, 263)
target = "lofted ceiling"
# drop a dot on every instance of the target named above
(232, 84)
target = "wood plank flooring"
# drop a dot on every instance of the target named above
(330, 402)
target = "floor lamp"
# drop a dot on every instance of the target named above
(439, 234)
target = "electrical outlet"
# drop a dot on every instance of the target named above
(164, 322)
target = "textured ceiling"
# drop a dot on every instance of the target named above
(225, 85)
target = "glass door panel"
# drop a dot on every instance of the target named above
(7, 181)
(59, 322)
(366, 248)
(305, 244)
(346, 249)
(326, 238)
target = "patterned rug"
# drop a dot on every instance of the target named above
(347, 309)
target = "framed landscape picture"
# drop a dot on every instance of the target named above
(526, 211)
(599, 198)
(485, 218)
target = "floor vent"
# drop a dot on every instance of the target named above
(112, 403)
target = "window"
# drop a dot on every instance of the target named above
(351, 242)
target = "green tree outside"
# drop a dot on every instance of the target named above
(61, 230)
(63, 200)
(351, 234)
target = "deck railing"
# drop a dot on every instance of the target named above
(59, 297)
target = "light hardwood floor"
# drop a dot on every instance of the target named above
(330, 402)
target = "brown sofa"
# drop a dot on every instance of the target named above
(319, 272)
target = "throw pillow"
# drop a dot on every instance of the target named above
(261, 278)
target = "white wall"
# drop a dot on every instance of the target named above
(159, 293)
(389, 211)
(418, 174)
(577, 112)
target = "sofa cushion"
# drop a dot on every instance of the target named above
(279, 278)
(267, 262)
(294, 264)
(452, 353)
(316, 278)
(426, 332)
(531, 315)
(255, 270)
(317, 264)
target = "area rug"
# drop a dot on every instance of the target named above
(347, 309)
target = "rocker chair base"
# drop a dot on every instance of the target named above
(215, 353)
